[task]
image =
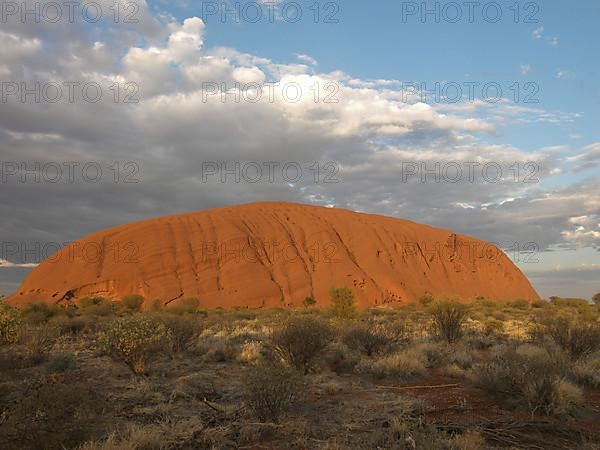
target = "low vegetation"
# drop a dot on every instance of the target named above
(300, 340)
(448, 320)
(134, 340)
(434, 374)
(11, 322)
(343, 305)
(270, 390)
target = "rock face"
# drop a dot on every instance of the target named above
(272, 255)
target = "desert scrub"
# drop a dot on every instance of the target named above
(35, 313)
(270, 390)
(217, 349)
(529, 376)
(343, 305)
(493, 327)
(437, 354)
(96, 306)
(72, 325)
(369, 338)
(38, 341)
(11, 322)
(189, 305)
(183, 329)
(587, 371)
(403, 365)
(469, 440)
(60, 362)
(309, 301)
(43, 411)
(448, 319)
(161, 435)
(454, 371)
(300, 340)
(132, 303)
(134, 340)
(251, 352)
(577, 338)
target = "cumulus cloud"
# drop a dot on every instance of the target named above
(586, 231)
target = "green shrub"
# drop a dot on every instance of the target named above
(60, 362)
(309, 301)
(38, 341)
(469, 440)
(448, 320)
(97, 306)
(578, 339)
(183, 329)
(540, 304)
(587, 371)
(300, 340)
(271, 390)
(343, 305)
(403, 365)
(218, 349)
(134, 340)
(132, 302)
(453, 371)
(71, 325)
(184, 306)
(573, 306)
(568, 397)
(156, 305)
(426, 300)
(493, 327)
(367, 338)
(41, 312)
(530, 376)
(519, 304)
(45, 412)
(11, 322)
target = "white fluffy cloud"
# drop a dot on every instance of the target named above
(7, 264)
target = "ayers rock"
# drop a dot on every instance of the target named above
(275, 254)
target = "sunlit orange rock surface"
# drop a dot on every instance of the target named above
(275, 254)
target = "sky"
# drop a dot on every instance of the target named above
(481, 119)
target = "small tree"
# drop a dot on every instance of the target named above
(426, 300)
(183, 329)
(342, 302)
(132, 302)
(578, 338)
(368, 338)
(98, 306)
(300, 340)
(187, 305)
(271, 390)
(309, 301)
(448, 319)
(596, 298)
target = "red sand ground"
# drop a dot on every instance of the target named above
(275, 254)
